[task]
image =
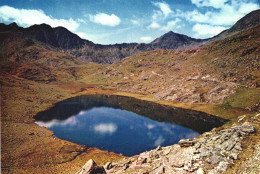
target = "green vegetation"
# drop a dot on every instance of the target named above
(243, 98)
(220, 78)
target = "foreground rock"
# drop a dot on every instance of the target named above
(91, 168)
(212, 152)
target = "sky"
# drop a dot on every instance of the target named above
(126, 21)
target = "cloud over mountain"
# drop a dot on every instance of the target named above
(164, 7)
(28, 17)
(105, 19)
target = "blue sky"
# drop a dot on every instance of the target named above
(124, 21)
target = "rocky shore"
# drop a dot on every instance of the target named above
(212, 152)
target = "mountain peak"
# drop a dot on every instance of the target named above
(13, 25)
(170, 32)
(172, 40)
(58, 37)
(250, 20)
(42, 26)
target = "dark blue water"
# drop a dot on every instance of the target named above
(103, 123)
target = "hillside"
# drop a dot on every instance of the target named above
(250, 20)
(220, 77)
(206, 74)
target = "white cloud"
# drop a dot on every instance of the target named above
(105, 19)
(146, 38)
(196, 16)
(164, 7)
(83, 36)
(28, 17)
(247, 7)
(157, 15)
(154, 25)
(105, 128)
(206, 31)
(172, 25)
(226, 14)
(81, 21)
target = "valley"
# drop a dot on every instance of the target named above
(41, 66)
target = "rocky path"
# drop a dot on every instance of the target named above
(212, 152)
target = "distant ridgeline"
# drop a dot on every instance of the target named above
(61, 40)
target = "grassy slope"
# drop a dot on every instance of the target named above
(28, 148)
(230, 64)
(29, 87)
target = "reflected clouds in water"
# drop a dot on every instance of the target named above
(95, 121)
(105, 128)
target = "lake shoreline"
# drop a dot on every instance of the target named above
(28, 148)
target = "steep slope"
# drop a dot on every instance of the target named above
(15, 47)
(250, 20)
(205, 74)
(58, 37)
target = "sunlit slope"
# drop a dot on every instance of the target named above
(204, 74)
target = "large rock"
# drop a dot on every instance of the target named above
(247, 128)
(91, 168)
(186, 142)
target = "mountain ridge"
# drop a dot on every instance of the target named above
(221, 78)
(62, 40)
(174, 40)
(250, 20)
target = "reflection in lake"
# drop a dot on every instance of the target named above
(122, 124)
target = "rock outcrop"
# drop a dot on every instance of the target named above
(212, 152)
(91, 168)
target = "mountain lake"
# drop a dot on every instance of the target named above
(123, 124)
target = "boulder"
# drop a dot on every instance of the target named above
(186, 142)
(247, 128)
(91, 168)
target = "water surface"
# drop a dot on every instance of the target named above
(122, 124)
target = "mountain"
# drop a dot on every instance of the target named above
(173, 40)
(58, 37)
(221, 77)
(16, 45)
(250, 20)
(62, 40)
